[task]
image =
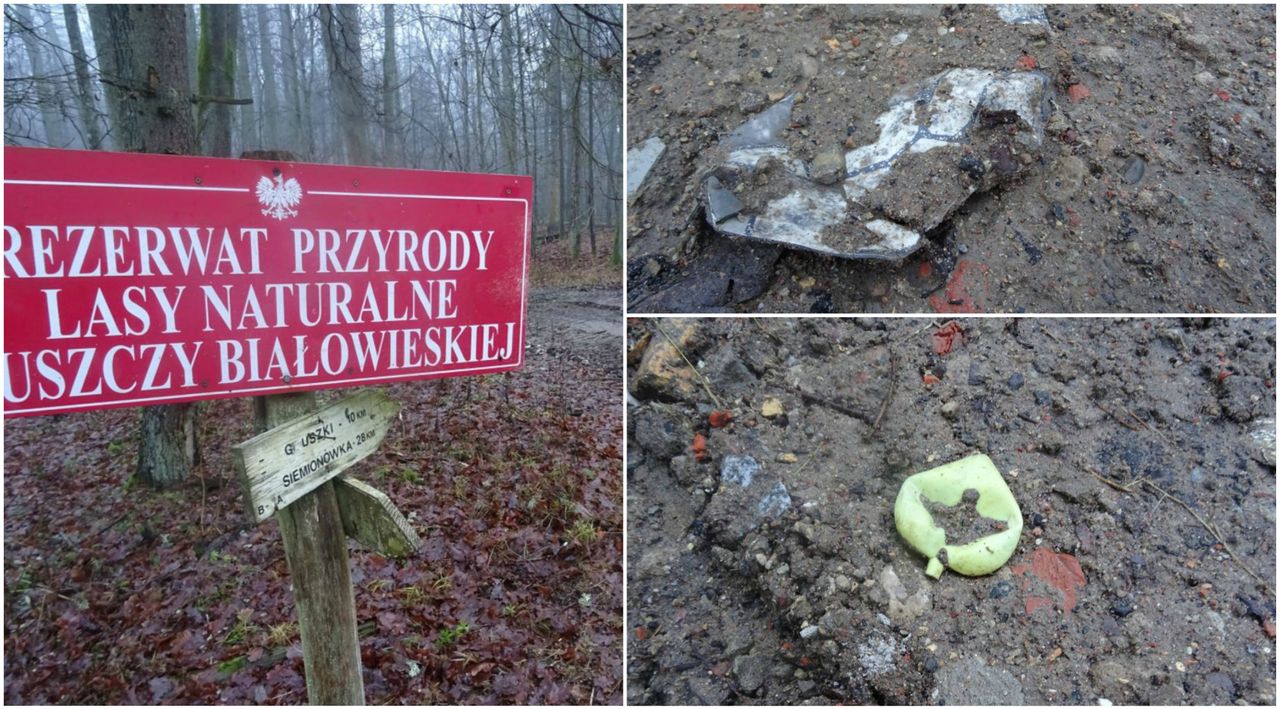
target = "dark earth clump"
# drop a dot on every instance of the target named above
(961, 522)
(763, 562)
(1154, 190)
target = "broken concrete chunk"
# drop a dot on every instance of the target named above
(1023, 14)
(949, 486)
(640, 160)
(957, 133)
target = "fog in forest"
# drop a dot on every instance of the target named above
(527, 89)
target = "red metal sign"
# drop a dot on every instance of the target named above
(142, 279)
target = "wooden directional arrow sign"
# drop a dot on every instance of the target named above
(281, 465)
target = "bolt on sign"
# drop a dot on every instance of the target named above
(134, 279)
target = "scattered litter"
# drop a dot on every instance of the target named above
(640, 160)
(957, 133)
(948, 485)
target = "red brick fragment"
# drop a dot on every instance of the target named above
(720, 419)
(1078, 92)
(1026, 62)
(1222, 95)
(1060, 572)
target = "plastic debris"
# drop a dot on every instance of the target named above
(958, 132)
(949, 485)
(1023, 14)
(640, 160)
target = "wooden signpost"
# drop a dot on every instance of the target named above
(286, 462)
(139, 279)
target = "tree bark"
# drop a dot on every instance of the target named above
(216, 74)
(143, 53)
(267, 68)
(299, 90)
(84, 85)
(392, 145)
(341, 25)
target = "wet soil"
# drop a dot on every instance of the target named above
(961, 522)
(763, 562)
(1154, 190)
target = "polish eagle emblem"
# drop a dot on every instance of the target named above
(279, 198)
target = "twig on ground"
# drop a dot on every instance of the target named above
(809, 460)
(1208, 526)
(893, 387)
(705, 384)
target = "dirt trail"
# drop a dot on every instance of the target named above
(1153, 191)
(586, 322)
(764, 565)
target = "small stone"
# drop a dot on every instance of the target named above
(787, 458)
(751, 102)
(1134, 170)
(950, 408)
(1016, 381)
(808, 282)
(1123, 607)
(1205, 78)
(808, 66)
(652, 267)
(976, 378)
(750, 671)
(771, 408)
(828, 167)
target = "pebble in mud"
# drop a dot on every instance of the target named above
(1016, 381)
(1134, 170)
(1122, 607)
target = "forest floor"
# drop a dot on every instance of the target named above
(764, 566)
(554, 265)
(1153, 189)
(116, 594)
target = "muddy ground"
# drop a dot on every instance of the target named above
(763, 562)
(1154, 190)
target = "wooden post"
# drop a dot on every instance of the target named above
(316, 549)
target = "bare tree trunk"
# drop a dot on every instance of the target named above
(292, 80)
(142, 51)
(508, 92)
(591, 164)
(248, 78)
(46, 90)
(84, 86)
(267, 68)
(466, 99)
(216, 74)
(341, 25)
(392, 145)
